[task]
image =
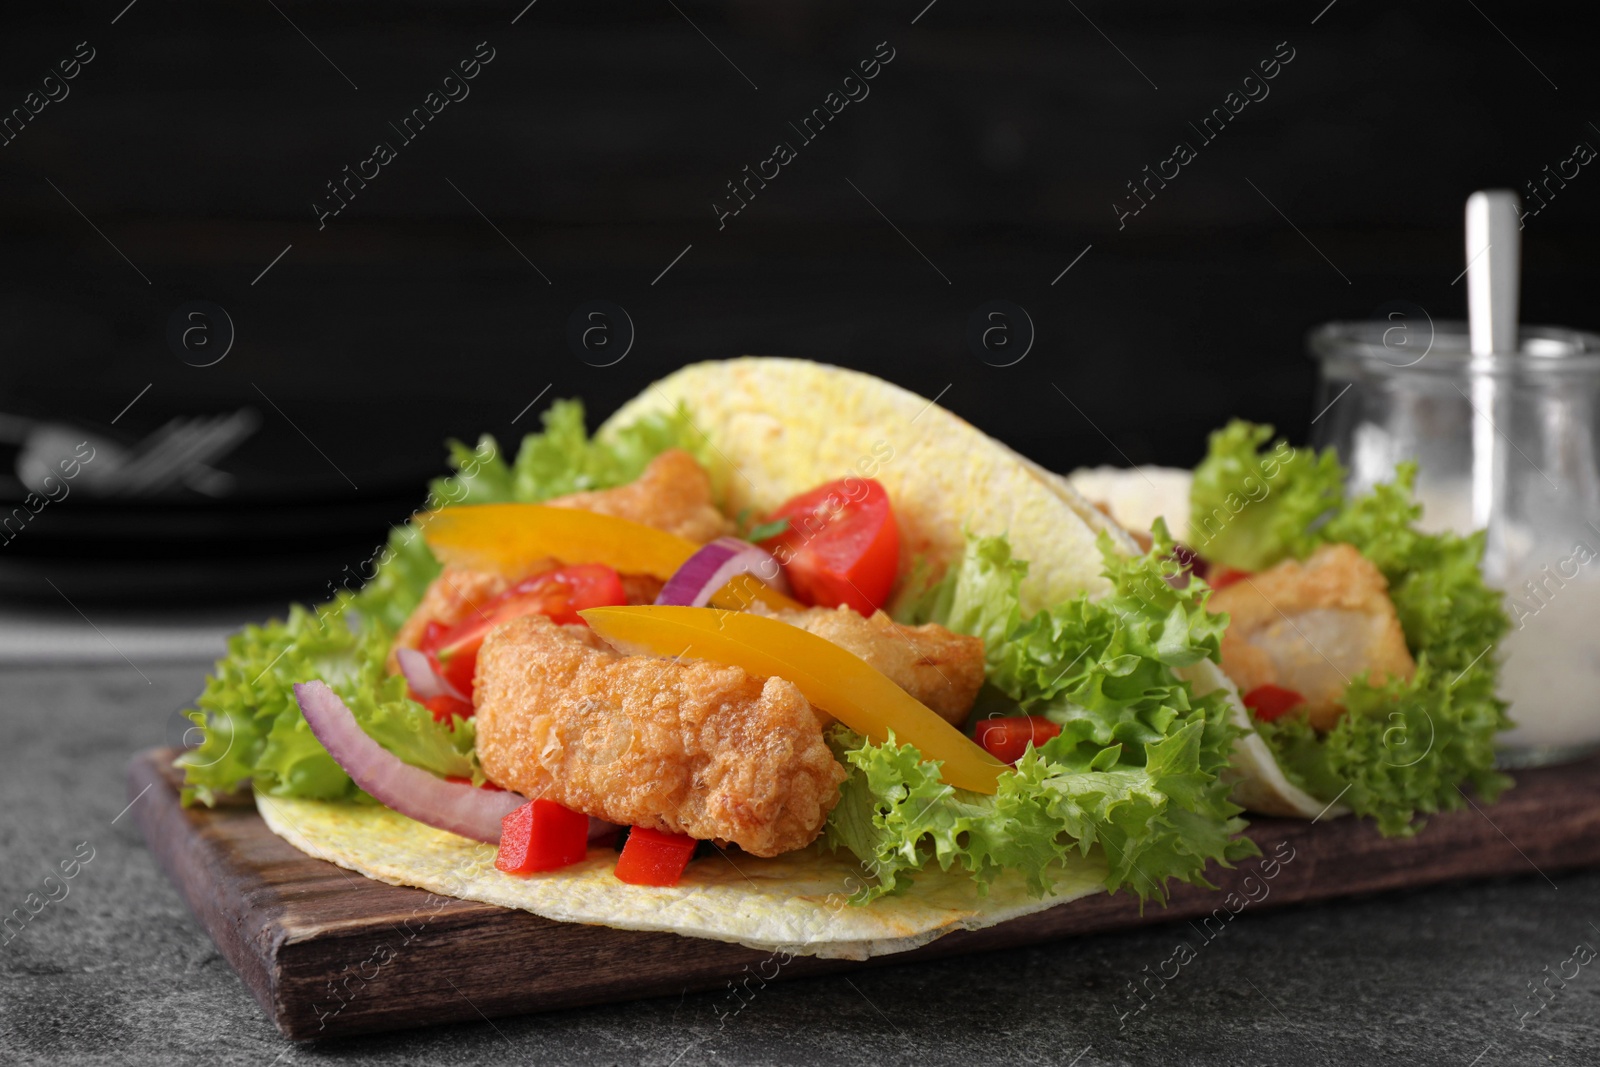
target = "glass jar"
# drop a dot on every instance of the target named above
(1408, 388)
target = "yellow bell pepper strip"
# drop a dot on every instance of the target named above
(743, 588)
(509, 539)
(832, 679)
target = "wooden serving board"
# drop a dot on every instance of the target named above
(329, 952)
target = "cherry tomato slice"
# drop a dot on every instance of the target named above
(559, 593)
(1271, 702)
(447, 708)
(653, 857)
(1007, 739)
(1222, 576)
(490, 786)
(459, 668)
(842, 545)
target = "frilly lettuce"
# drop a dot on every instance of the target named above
(1402, 748)
(252, 728)
(561, 460)
(247, 717)
(1135, 770)
(1249, 509)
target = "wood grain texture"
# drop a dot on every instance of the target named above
(329, 952)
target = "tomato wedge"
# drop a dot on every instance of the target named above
(1271, 702)
(444, 707)
(559, 593)
(842, 545)
(1007, 739)
(541, 836)
(653, 857)
(490, 786)
(1220, 576)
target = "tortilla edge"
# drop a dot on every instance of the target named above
(822, 948)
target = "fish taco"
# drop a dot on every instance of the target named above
(782, 655)
(1362, 647)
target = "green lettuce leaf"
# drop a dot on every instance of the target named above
(251, 727)
(563, 459)
(247, 717)
(1135, 770)
(1249, 509)
(1402, 750)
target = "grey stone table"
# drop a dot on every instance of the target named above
(116, 971)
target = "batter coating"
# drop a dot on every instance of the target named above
(683, 746)
(673, 494)
(943, 670)
(1313, 627)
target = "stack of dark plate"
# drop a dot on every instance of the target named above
(189, 500)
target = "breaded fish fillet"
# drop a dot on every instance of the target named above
(940, 668)
(1313, 627)
(687, 747)
(673, 494)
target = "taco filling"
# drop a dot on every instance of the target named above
(594, 646)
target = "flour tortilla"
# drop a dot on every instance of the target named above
(1138, 497)
(796, 903)
(778, 427)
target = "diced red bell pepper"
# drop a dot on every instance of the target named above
(541, 836)
(1007, 739)
(1270, 702)
(447, 708)
(652, 857)
(1222, 576)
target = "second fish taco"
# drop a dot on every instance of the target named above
(1363, 647)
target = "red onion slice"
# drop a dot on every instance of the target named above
(424, 681)
(714, 566)
(412, 791)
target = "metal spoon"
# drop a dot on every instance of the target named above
(1494, 267)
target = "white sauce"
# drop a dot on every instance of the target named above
(1550, 661)
(1551, 671)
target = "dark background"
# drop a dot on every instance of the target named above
(597, 140)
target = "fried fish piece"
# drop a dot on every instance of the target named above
(673, 494)
(687, 747)
(1313, 627)
(940, 668)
